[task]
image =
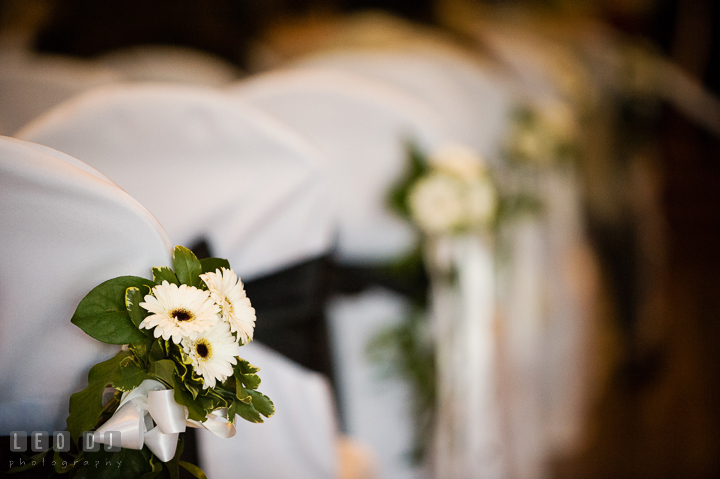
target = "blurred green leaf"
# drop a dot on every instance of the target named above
(417, 167)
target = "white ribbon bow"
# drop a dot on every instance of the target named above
(149, 403)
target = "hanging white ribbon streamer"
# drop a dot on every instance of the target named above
(468, 441)
(217, 423)
(149, 403)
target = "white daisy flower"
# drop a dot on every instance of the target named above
(179, 311)
(437, 204)
(227, 291)
(213, 354)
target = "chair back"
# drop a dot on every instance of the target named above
(65, 229)
(362, 127)
(207, 169)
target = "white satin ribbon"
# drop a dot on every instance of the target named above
(468, 440)
(148, 415)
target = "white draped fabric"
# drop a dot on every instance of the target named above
(548, 293)
(170, 64)
(31, 85)
(252, 188)
(361, 127)
(376, 408)
(472, 97)
(205, 168)
(298, 442)
(65, 230)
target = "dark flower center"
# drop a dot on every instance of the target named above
(182, 315)
(202, 350)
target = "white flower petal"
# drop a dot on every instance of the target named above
(179, 311)
(228, 292)
(212, 353)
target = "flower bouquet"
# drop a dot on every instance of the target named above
(179, 365)
(543, 135)
(448, 192)
(451, 197)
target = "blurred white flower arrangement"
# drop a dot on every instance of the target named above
(455, 195)
(543, 134)
(450, 192)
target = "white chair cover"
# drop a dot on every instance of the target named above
(170, 64)
(362, 127)
(205, 168)
(472, 97)
(377, 409)
(30, 85)
(64, 230)
(252, 188)
(298, 442)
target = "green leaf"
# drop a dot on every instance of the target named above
(195, 411)
(207, 403)
(243, 395)
(164, 273)
(193, 390)
(193, 469)
(232, 412)
(262, 403)
(209, 265)
(131, 375)
(157, 352)
(133, 298)
(246, 367)
(251, 381)
(244, 374)
(102, 313)
(86, 405)
(141, 349)
(163, 370)
(187, 266)
(248, 412)
(157, 468)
